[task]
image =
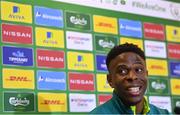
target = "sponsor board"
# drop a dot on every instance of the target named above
(155, 49)
(104, 43)
(49, 37)
(19, 34)
(157, 67)
(19, 102)
(80, 61)
(158, 86)
(16, 12)
(50, 58)
(154, 31)
(174, 68)
(102, 98)
(173, 50)
(175, 102)
(130, 28)
(80, 21)
(175, 86)
(81, 81)
(137, 42)
(18, 78)
(173, 33)
(17, 56)
(79, 41)
(104, 24)
(51, 80)
(48, 104)
(48, 17)
(82, 102)
(102, 83)
(101, 63)
(163, 102)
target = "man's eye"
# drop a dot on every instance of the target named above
(123, 71)
(139, 70)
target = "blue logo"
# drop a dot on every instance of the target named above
(17, 56)
(101, 63)
(16, 9)
(174, 69)
(130, 28)
(48, 17)
(80, 58)
(49, 35)
(50, 80)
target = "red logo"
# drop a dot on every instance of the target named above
(16, 34)
(154, 31)
(103, 98)
(18, 78)
(50, 58)
(79, 81)
(52, 102)
(174, 51)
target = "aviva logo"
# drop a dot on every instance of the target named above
(11, 11)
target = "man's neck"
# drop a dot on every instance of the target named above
(140, 107)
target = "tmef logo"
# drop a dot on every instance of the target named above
(16, 9)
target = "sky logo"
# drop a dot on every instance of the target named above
(49, 35)
(80, 58)
(16, 9)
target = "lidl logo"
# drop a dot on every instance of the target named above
(18, 78)
(19, 102)
(48, 104)
(50, 80)
(49, 37)
(48, 16)
(11, 11)
(50, 58)
(81, 81)
(16, 9)
(17, 56)
(174, 68)
(130, 28)
(17, 34)
(80, 61)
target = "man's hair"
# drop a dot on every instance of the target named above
(119, 49)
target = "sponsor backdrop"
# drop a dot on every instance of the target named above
(53, 52)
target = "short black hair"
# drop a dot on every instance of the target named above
(127, 47)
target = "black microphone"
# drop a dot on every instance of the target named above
(177, 110)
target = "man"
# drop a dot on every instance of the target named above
(128, 76)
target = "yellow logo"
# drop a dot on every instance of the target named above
(175, 86)
(16, 12)
(49, 37)
(102, 83)
(80, 61)
(52, 102)
(18, 78)
(173, 33)
(105, 24)
(137, 42)
(157, 67)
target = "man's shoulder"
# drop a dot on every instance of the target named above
(156, 110)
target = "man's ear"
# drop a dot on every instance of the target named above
(109, 79)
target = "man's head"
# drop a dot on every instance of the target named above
(127, 73)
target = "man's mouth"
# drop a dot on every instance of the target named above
(135, 91)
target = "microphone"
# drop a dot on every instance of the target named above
(177, 110)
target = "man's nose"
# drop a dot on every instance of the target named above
(132, 75)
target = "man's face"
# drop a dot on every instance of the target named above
(128, 76)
